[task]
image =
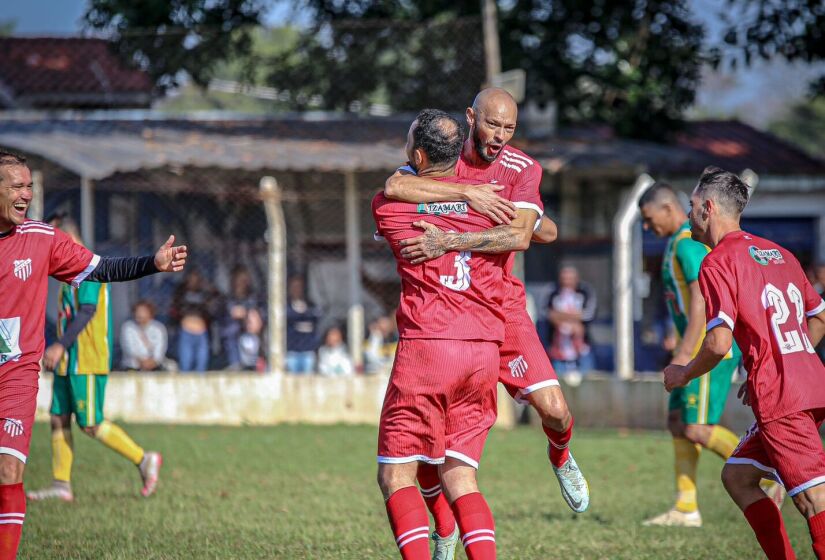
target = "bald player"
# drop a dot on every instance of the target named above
(525, 369)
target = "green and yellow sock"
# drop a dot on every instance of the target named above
(686, 459)
(114, 437)
(62, 454)
(722, 441)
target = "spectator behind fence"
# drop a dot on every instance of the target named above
(249, 342)
(191, 308)
(571, 306)
(143, 340)
(382, 340)
(241, 300)
(301, 329)
(333, 356)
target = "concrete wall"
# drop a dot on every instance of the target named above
(238, 399)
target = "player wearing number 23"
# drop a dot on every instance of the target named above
(757, 293)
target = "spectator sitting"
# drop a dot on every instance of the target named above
(143, 340)
(241, 300)
(301, 329)
(571, 306)
(249, 342)
(380, 346)
(191, 308)
(333, 356)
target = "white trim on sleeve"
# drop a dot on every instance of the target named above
(521, 205)
(86, 271)
(718, 320)
(819, 309)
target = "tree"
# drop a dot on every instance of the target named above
(790, 29)
(631, 64)
(169, 37)
(804, 125)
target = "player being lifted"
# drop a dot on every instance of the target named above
(695, 410)
(30, 252)
(81, 359)
(525, 369)
(441, 399)
(757, 294)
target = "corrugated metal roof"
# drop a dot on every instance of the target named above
(97, 149)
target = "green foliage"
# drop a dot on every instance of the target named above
(790, 29)
(303, 492)
(167, 37)
(804, 126)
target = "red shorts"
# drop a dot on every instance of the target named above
(525, 366)
(788, 448)
(18, 401)
(441, 401)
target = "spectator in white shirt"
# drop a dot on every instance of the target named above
(333, 357)
(143, 340)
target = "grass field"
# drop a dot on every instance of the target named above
(304, 492)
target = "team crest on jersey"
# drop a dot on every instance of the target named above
(765, 256)
(23, 269)
(13, 427)
(518, 366)
(443, 208)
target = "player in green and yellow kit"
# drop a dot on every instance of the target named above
(81, 360)
(695, 410)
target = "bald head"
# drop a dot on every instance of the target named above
(492, 121)
(495, 100)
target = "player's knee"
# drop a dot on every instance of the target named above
(550, 404)
(60, 422)
(392, 478)
(11, 469)
(675, 424)
(694, 433)
(729, 479)
(90, 431)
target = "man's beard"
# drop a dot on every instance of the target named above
(480, 148)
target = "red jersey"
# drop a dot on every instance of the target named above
(29, 254)
(457, 296)
(759, 290)
(511, 167)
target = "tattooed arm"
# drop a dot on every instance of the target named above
(499, 239)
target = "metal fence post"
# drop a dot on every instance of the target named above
(276, 273)
(355, 314)
(623, 277)
(87, 212)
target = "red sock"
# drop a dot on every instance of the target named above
(816, 525)
(430, 484)
(12, 514)
(408, 518)
(766, 522)
(558, 444)
(478, 530)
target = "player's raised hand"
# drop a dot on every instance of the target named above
(484, 200)
(425, 247)
(675, 377)
(170, 258)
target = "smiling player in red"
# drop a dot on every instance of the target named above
(757, 293)
(30, 252)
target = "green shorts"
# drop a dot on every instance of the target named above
(82, 395)
(702, 401)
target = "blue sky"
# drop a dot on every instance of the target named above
(755, 95)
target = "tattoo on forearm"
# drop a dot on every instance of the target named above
(500, 239)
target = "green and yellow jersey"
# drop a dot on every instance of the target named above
(92, 352)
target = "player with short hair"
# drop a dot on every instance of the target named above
(81, 360)
(757, 293)
(30, 252)
(695, 410)
(525, 368)
(441, 399)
